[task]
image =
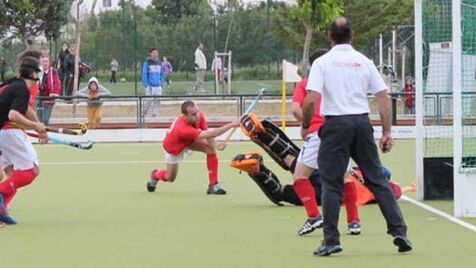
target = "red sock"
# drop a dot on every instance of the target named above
(212, 166)
(305, 191)
(160, 175)
(18, 179)
(350, 201)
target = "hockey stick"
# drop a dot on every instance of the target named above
(83, 128)
(69, 131)
(248, 110)
(86, 145)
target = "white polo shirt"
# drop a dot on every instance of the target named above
(343, 77)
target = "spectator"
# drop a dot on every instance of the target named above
(50, 86)
(152, 80)
(200, 67)
(167, 69)
(62, 64)
(94, 92)
(3, 68)
(114, 66)
(69, 71)
(225, 75)
(217, 69)
(409, 96)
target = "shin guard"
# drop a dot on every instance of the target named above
(269, 137)
(252, 163)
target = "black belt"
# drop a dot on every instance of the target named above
(347, 115)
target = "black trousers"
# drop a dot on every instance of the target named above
(352, 136)
(113, 77)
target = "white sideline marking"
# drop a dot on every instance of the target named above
(120, 162)
(440, 213)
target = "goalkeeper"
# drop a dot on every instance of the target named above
(252, 163)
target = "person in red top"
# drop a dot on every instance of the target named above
(409, 96)
(50, 86)
(33, 89)
(18, 154)
(188, 132)
(307, 163)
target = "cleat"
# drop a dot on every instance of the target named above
(7, 219)
(152, 183)
(327, 250)
(311, 224)
(216, 189)
(353, 228)
(402, 243)
(3, 207)
(4, 217)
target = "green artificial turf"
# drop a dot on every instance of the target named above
(91, 209)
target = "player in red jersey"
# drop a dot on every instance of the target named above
(18, 153)
(34, 90)
(189, 132)
(307, 163)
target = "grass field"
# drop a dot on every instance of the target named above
(185, 87)
(91, 209)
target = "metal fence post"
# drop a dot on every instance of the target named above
(394, 109)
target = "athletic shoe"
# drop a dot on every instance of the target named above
(3, 208)
(152, 183)
(327, 250)
(353, 228)
(311, 224)
(216, 189)
(7, 219)
(402, 243)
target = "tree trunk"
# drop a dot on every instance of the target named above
(307, 46)
(91, 13)
(24, 42)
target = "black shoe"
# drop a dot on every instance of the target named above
(327, 250)
(311, 224)
(7, 219)
(402, 243)
(216, 189)
(354, 228)
(152, 183)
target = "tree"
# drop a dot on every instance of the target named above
(371, 18)
(3, 27)
(314, 16)
(26, 19)
(171, 11)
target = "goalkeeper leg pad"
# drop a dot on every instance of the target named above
(269, 137)
(252, 163)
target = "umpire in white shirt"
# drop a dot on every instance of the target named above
(343, 77)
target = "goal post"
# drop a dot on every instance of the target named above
(445, 61)
(221, 67)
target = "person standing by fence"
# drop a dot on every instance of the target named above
(200, 67)
(167, 69)
(69, 71)
(62, 67)
(409, 96)
(152, 80)
(50, 86)
(94, 91)
(114, 66)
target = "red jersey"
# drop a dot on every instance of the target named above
(182, 134)
(409, 96)
(34, 90)
(299, 95)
